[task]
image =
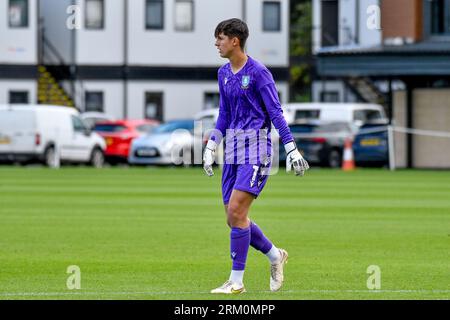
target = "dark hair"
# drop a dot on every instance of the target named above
(233, 28)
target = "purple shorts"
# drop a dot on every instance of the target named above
(244, 177)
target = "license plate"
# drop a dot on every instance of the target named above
(370, 142)
(5, 140)
(146, 152)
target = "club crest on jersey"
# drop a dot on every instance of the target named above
(245, 82)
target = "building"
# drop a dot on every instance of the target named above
(341, 24)
(404, 64)
(136, 58)
(18, 51)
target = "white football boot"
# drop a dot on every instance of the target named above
(276, 271)
(229, 288)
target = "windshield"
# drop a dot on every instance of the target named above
(145, 128)
(109, 128)
(310, 128)
(307, 114)
(174, 125)
(367, 115)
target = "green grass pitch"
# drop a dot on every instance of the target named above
(160, 233)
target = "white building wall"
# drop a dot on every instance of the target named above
(113, 95)
(349, 27)
(17, 85)
(180, 99)
(368, 37)
(168, 47)
(271, 48)
(103, 46)
(353, 33)
(347, 22)
(316, 25)
(18, 45)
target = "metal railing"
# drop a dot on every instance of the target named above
(49, 55)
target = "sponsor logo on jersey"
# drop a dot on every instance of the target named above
(245, 82)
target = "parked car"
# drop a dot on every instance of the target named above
(158, 146)
(91, 118)
(371, 148)
(119, 134)
(321, 143)
(47, 134)
(356, 113)
(208, 117)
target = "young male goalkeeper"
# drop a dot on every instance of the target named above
(248, 102)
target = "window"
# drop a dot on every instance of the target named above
(154, 14)
(109, 128)
(94, 14)
(78, 125)
(271, 16)
(212, 100)
(367, 115)
(184, 15)
(307, 114)
(439, 17)
(330, 23)
(146, 128)
(94, 101)
(329, 96)
(18, 97)
(154, 106)
(18, 13)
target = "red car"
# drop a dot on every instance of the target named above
(118, 135)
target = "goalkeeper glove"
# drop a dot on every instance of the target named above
(295, 159)
(208, 157)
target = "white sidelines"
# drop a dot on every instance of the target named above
(153, 293)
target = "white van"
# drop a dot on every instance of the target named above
(356, 113)
(49, 134)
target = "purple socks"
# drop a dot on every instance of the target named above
(241, 239)
(239, 244)
(258, 240)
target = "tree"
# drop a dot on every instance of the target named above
(302, 64)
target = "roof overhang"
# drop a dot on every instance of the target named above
(385, 61)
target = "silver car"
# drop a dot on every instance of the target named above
(169, 143)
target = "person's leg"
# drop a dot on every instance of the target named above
(259, 241)
(252, 179)
(237, 207)
(237, 213)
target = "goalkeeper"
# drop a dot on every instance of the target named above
(248, 102)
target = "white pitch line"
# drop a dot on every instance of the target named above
(77, 293)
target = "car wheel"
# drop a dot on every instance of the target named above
(334, 159)
(50, 157)
(97, 158)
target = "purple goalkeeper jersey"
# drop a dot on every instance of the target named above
(249, 103)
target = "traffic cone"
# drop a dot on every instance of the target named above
(348, 162)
